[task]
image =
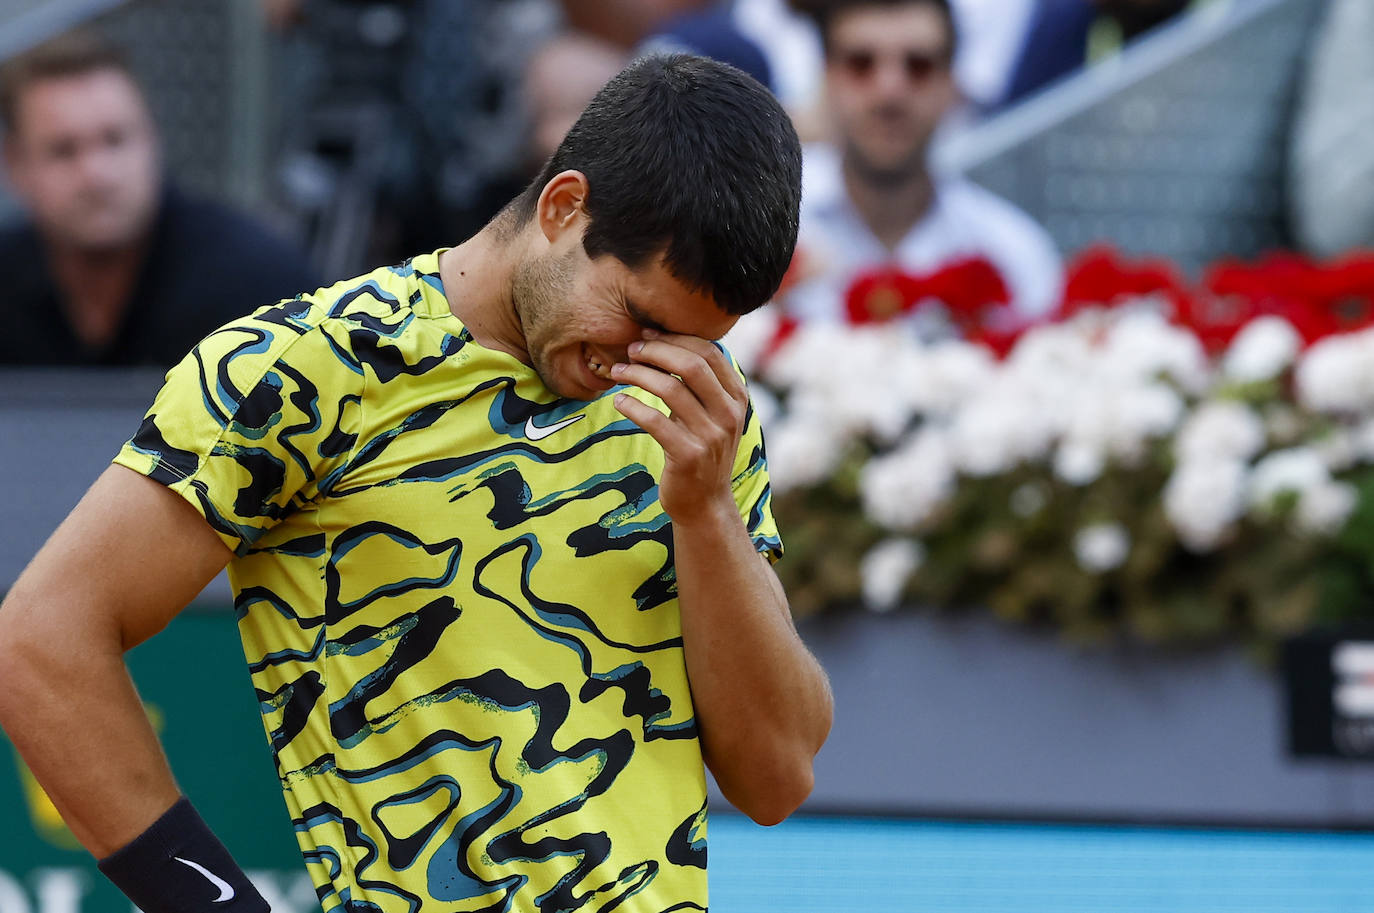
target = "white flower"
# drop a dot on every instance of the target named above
(849, 382)
(886, 568)
(1097, 389)
(1142, 345)
(1338, 448)
(750, 337)
(1078, 463)
(1202, 498)
(1337, 374)
(1292, 471)
(1101, 547)
(951, 372)
(1323, 505)
(1139, 414)
(994, 433)
(1220, 429)
(903, 489)
(1052, 350)
(808, 352)
(1262, 350)
(1323, 509)
(801, 454)
(766, 407)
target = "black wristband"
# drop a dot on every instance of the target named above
(179, 866)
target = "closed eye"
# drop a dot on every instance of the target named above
(643, 319)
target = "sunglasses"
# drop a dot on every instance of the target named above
(917, 66)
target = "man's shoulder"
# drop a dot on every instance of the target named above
(967, 202)
(190, 210)
(34, 334)
(312, 334)
(28, 284)
(981, 221)
(18, 239)
(221, 238)
(386, 310)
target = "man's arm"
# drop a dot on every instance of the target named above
(127, 559)
(763, 703)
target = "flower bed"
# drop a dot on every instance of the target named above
(1169, 461)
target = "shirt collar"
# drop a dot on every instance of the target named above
(823, 190)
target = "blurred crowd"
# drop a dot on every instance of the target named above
(446, 108)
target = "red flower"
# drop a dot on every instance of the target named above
(969, 288)
(1345, 290)
(998, 340)
(880, 296)
(1099, 277)
(785, 330)
(1282, 285)
(1216, 319)
(1317, 299)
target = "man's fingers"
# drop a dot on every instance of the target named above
(660, 427)
(703, 367)
(676, 394)
(713, 355)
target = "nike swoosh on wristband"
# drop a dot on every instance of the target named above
(226, 890)
(537, 433)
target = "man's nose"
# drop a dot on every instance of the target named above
(98, 164)
(889, 78)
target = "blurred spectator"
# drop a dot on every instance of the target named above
(115, 265)
(402, 124)
(1063, 35)
(712, 33)
(1332, 161)
(991, 33)
(991, 36)
(787, 37)
(869, 202)
(625, 22)
(562, 76)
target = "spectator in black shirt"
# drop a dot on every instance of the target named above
(115, 265)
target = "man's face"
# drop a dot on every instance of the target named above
(84, 159)
(888, 82)
(580, 315)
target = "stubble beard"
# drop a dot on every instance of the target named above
(539, 293)
(883, 176)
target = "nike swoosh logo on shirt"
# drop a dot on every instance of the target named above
(226, 890)
(538, 433)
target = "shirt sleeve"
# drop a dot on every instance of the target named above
(753, 492)
(257, 421)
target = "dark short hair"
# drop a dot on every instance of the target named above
(824, 13)
(72, 54)
(692, 158)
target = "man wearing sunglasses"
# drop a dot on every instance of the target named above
(869, 201)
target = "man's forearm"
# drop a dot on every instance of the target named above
(71, 710)
(763, 704)
(94, 591)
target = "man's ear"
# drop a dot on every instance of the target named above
(562, 205)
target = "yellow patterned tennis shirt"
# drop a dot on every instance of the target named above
(457, 600)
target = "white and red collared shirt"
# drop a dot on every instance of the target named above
(835, 245)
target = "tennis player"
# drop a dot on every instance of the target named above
(497, 521)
